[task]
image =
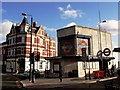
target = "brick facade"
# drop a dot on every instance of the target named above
(18, 47)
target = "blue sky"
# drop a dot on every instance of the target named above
(55, 15)
(48, 14)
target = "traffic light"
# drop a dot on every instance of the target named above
(32, 57)
(37, 57)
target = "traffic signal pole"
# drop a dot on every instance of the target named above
(84, 60)
(31, 72)
(31, 50)
(89, 68)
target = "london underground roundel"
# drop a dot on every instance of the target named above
(83, 44)
(67, 47)
(99, 53)
(106, 51)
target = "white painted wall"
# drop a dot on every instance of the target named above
(37, 65)
(81, 72)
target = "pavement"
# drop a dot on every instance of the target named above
(50, 83)
(55, 82)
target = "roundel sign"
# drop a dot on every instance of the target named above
(106, 51)
(67, 47)
(99, 53)
(82, 44)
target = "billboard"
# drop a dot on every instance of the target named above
(66, 47)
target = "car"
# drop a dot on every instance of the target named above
(27, 73)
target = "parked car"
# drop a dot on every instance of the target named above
(27, 73)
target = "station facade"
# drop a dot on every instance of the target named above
(81, 50)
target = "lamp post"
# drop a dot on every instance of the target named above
(89, 67)
(84, 56)
(100, 41)
(31, 72)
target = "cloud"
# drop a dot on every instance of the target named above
(69, 12)
(60, 8)
(110, 26)
(115, 44)
(2, 10)
(49, 29)
(5, 28)
(54, 29)
(70, 24)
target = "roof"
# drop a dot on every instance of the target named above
(116, 49)
(81, 27)
(79, 58)
(24, 21)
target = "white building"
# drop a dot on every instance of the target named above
(80, 49)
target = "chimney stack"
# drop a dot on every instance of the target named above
(34, 24)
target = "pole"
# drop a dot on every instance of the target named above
(31, 72)
(84, 60)
(30, 52)
(100, 40)
(16, 53)
(99, 30)
(32, 69)
(33, 75)
(89, 69)
(84, 67)
(37, 51)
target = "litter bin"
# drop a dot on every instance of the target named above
(98, 74)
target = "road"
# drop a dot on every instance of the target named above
(54, 84)
(74, 86)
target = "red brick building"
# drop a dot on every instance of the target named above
(18, 46)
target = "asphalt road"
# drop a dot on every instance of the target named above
(13, 85)
(111, 84)
(8, 84)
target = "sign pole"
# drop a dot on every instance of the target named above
(84, 60)
(89, 68)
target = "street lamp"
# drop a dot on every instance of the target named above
(100, 41)
(89, 67)
(31, 54)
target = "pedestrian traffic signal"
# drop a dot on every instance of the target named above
(37, 57)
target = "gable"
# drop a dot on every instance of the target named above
(40, 30)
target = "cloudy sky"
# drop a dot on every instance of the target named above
(62, 14)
